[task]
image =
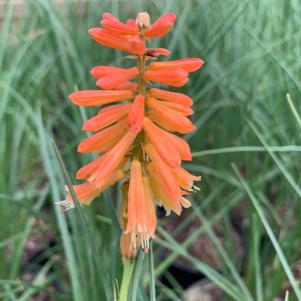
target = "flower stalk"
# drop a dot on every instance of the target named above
(128, 268)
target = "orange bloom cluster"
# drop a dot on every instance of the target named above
(135, 138)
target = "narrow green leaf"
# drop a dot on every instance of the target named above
(85, 227)
(152, 287)
(270, 233)
(293, 109)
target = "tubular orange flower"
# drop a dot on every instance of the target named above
(103, 140)
(114, 78)
(171, 77)
(185, 179)
(127, 86)
(169, 119)
(136, 114)
(98, 97)
(149, 208)
(136, 199)
(181, 145)
(100, 71)
(171, 96)
(87, 191)
(161, 143)
(134, 138)
(112, 24)
(164, 175)
(188, 65)
(159, 188)
(106, 117)
(85, 171)
(155, 52)
(112, 159)
(164, 105)
(127, 44)
(161, 27)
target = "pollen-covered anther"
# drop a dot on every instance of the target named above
(65, 205)
(143, 20)
(195, 188)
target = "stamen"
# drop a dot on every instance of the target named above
(133, 244)
(146, 242)
(195, 188)
(65, 205)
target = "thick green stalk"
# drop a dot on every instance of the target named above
(128, 267)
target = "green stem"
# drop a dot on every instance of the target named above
(141, 81)
(128, 267)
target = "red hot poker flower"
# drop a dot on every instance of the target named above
(133, 138)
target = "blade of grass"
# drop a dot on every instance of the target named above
(152, 287)
(221, 281)
(280, 254)
(280, 165)
(136, 277)
(189, 240)
(221, 250)
(278, 61)
(66, 236)
(240, 149)
(293, 108)
(98, 258)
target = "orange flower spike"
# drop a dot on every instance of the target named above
(106, 117)
(189, 65)
(163, 146)
(175, 78)
(136, 114)
(115, 78)
(128, 44)
(99, 97)
(112, 159)
(173, 97)
(161, 27)
(103, 140)
(135, 136)
(112, 24)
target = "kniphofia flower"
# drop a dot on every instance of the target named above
(136, 139)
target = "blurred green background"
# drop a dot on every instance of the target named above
(240, 240)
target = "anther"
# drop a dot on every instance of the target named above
(65, 205)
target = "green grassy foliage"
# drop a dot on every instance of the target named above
(247, 149)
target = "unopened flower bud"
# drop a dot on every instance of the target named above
(143, 20)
